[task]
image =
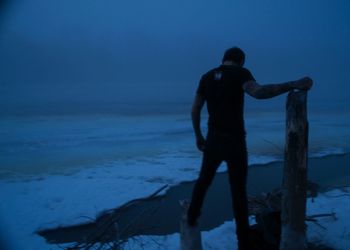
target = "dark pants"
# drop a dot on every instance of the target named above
(232, 150)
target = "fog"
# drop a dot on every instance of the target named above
(149, 55)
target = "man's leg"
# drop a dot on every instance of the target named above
(210, 164)
(238, 169)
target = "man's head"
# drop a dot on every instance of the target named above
(235, 55)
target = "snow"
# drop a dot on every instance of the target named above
(219, 238)
(52, 201)
(329, 230)
(334, 231)
(56, 200)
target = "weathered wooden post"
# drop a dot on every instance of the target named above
(190, 237)
(293, 235)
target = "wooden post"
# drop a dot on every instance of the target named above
(293, 235)
(190, 237)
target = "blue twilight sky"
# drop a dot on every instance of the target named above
(93, 53)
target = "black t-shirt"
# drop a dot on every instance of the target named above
(223, 91)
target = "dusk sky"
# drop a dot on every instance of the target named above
(90, 52)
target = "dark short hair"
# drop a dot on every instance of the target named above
(234, 54)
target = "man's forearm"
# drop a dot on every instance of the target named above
(272, 90)
(196, 118)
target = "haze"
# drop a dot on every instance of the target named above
(149, 55)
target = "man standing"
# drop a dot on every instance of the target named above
(222, 89)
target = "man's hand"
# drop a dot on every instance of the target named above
(200, 141)
(304, 83)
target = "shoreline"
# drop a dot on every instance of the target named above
(13, 177)
(329, 172)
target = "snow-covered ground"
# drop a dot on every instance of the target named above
(51, 201)
(65, 170)
(65, 200)
(330, 231)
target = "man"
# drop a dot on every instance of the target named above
(222, 89)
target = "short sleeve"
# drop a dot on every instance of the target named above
(247, 76)
(201, 87)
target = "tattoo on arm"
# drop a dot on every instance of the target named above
(267, 91)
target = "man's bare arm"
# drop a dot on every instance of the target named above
(196, 120)
(271, 90)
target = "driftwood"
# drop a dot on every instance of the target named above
(108, 228)
(190, 237)
(266, 233)
(271, 201)
(293, 234)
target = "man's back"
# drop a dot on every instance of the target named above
(222, 89)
